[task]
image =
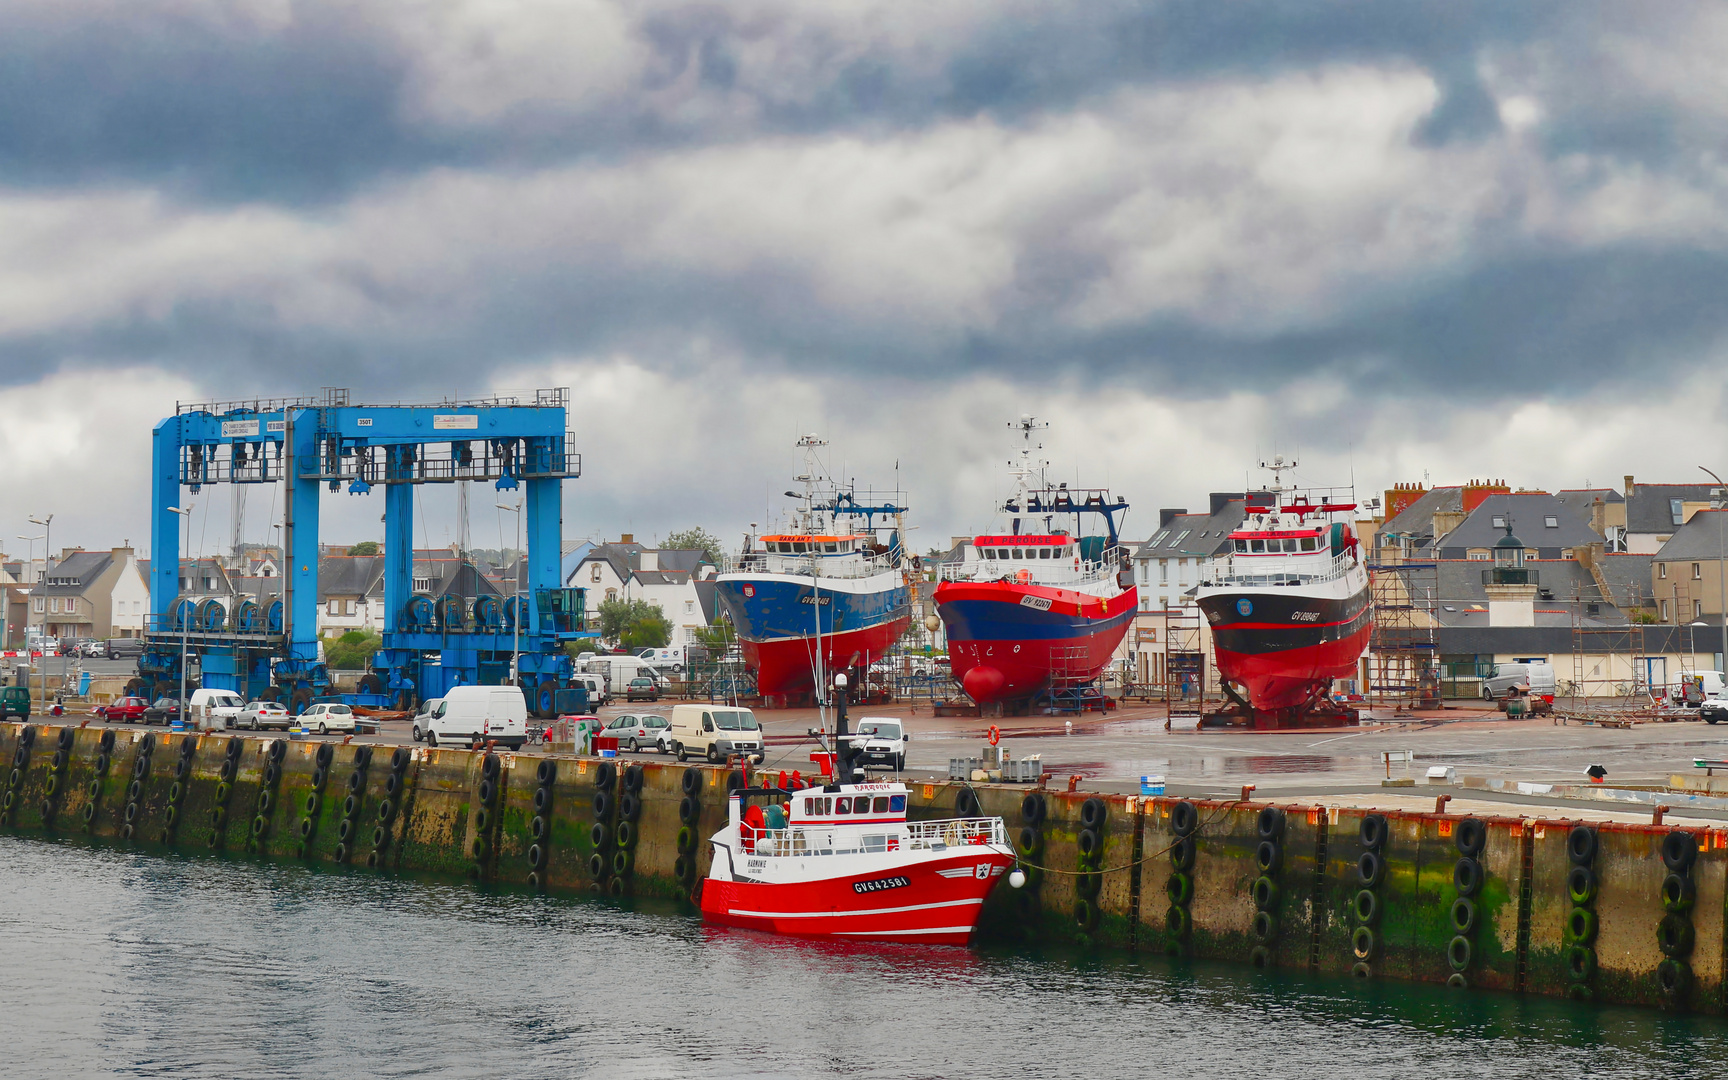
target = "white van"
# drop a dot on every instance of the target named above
(468, 713)
(1710, 682)
(617, 671)
(598, 695)
(216, 709)
(1535, 675)
(664, 659)
(713, 732)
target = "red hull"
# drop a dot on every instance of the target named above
(787, 666)
(928, 909)
(1001, 649)
(1291, 677)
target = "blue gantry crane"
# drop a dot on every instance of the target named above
(271, 651)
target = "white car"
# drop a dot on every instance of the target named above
(327, 717)
(423, 718)
(263, 714)
(880, 740)
(638, 732)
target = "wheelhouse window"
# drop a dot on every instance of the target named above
(1257, 547)
(1310, 543)
(896, 804)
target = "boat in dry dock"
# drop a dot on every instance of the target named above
(1289, 608)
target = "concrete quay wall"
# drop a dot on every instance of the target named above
(1612, 911)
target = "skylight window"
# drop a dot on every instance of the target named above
(1181, 536)
(1551, 523)
(1159, 539)
(1499, 523)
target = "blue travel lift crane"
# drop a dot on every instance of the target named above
(272, 652)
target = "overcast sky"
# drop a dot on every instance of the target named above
(1442, 240)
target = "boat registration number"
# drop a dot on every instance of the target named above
(879, 884)
(1305, 616)
(1042, 603)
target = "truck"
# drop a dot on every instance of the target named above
(617, 671)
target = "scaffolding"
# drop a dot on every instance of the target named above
(1404, 653)
(1184, 667)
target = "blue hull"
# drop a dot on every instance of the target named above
(780, 609)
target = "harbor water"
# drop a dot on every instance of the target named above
(117, 962)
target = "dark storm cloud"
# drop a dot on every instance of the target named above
(307, 115)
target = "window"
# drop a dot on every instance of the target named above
(424, 584)
(54, 604)
(1478, 556)
(209, 583)
(1163, 571)
(1310, 543)
(896, 804)
(1043, 553)
(843, 805)
(1661, 570)
(1697, 609)
(1697, 572)
(594, 573)
(1550, 523)
(1258, 547)
(1019, 554)
(1499, 522)
(331, 607)
(72, 604)
(1677, 511)
(40, 605)
(1181, 536)
(1241, 545)
(1159, 539)
(689, 607)
(1664, 611)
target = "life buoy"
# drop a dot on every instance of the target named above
(1023, 576)
(995, 735)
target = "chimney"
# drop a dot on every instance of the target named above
(1221, 499)
(1165, 516)
(1629, 487)
(626, 538)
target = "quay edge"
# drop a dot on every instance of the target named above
(1284, 889)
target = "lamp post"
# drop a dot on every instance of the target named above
(516, 601)
(185, 513)
(1721, 585)
(30, 561)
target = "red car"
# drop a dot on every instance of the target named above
(128, 710)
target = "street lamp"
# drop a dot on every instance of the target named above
(516, 602)
(1721, 585)
(185, 513)
(47, 536)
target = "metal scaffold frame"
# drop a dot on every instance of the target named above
(1184, 654)
(1404, 652)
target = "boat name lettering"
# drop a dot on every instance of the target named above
(1305, 616)
(817, 600)
(756, 864)
(1042, 603)
(878, 884)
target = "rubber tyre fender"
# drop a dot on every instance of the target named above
(1180, 888)
(689, 810)
(686, 839)
(1264, 927)
(1363, 942)
(488, 766)
(605, 775)
(1182, 854)
(542, 799)
(1470, 837)
(546, 773)
(1459, 952)
(1370, 868)
(1027, 842)
(1093, 813)
(623, 862)
(129, 815)
(480, 850)
(1372, 832)
(1581, 884)
(264, 801)
(600, 836)
(1462, 914)
(1580, 962)
(1089, 885)
(53, 785)
(392, 783)
(630, 806)
(325, 755)
(1269, 823)
(1580, 928)
(380, 837)
(1679, 849)
(627, 833)
(598, 866)
(1178, 923)
(487, 791)
(1184, 818)
(633, 779)
(100, 765)
(227, 770)
(386, 810)
(270, 775)
(966, 804)
(318, 778)
(345, 829)
(400, 760)
(259, 824)
(536, 856)
(89, 812)
(58, 761)
(351, 806)
(1268, 856)
(1260, 957)
(537, 828)
(1366, 905)
(1678, 893)
(1675, 936)
(482, 819)
(1467, 876)
(1032, 809)
(1089, 844)
(305, 828)
(602, 803)
(1265, 892)
(94, 790)
(1085, 914)
(735, 781)
(691, 781)
(176, 791)
(1674, 977)
(141, 767)
(311, 803)
(684, 868)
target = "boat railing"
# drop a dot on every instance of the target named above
(1004, 570)
(868, 838)
(852, 565)
(1341, 565)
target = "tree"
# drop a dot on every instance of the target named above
(634, 624)
(717, 637)
(364, 547)
(352, 651)
(697, 537)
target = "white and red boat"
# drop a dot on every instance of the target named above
(1289, 606)
(842, 861)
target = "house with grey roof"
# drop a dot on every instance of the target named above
(1655, 512)
(91, 594)
(1169, 565)
(1548, 528)
(671, 578)
(1410, 533)
(1687, 578)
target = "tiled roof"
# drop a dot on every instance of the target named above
(1539, 519)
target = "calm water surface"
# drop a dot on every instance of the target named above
(116, 963)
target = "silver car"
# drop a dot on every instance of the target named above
(637, 732)
(264, 714)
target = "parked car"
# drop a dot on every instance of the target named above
(94, 649)
(1535, 676)
(880, 741)
(423, 718)
(636, 732)
(1714, 709)
(714, 732)
(642, 689)
(258, 715)
(122, 648)
(14, 701)
(215, 708)
(164, 710)
(128, 710)
(326, 717)
(596, 687)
